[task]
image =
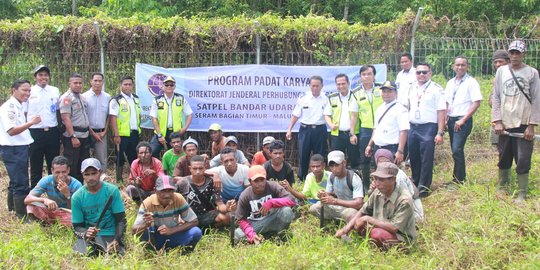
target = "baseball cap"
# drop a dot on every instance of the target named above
(268, 139)
(336, 156)
(389, 85)
(256, 171)
(518, 45)
(500, 54)
(214, 126)
(231, 139)
(90, 162)
(164, 182)
(42, 68)
(386, 170)
(188, 141)
(169, 79)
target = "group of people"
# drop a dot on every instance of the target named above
(373, 129)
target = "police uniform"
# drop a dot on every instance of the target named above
(127, 111)
(365, 103)
(424, 102)
(72, 103)
(312, 134)
(14, 150)
(43, 101)
(340, 138)
(97, 107)
(170, 113)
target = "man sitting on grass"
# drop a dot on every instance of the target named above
(315, 181)
(172, 155)
(59, 188)
(263, 208)
(203, 197)
(165, 219)
(277, 169)
(388, 215)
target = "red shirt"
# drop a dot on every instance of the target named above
(148, 182)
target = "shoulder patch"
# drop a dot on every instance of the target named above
(67, 100)
(12, 116)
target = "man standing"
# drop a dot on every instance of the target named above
(172, 155)
(391, 125)
(500, 58)
(94, 200)
(366, 101)
(14, 141)
(218, 140)
(43, 102)
(97, 106)
(405, 77)
(263, 208)
(344, 193)
(168, 112)
(516, 109)
(59, 188)
(124, 112)
(166, 220)
(388, 211)
(143, 173)
(75, 119)
(338, 118)
(312, 134)
(463, 97)
(427, 115)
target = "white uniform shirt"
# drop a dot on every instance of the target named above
(461, 94)
(186, 109)
(12, 115)
(97, 108)
(403, 84)
(309, 109)
(344, 117)
(113, 110)
(43, 102)
(425, 101)
(387, 129)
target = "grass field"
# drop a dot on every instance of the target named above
(470, 228)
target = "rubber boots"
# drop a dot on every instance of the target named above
(523, 184)
(504, 178)
(10, 205)
(20, 207)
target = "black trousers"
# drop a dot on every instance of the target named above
(46, 144)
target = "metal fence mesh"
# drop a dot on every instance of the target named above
(440, 52)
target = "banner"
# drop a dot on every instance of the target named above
(245, 98)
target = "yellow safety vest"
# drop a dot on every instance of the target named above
(177, 103)
(335, 101)
(366, 109)
(124, 114)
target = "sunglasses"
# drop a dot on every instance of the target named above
(169, 84)
(423, 72)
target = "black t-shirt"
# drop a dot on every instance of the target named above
(285, 173)
(200, 198)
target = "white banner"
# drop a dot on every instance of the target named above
(246, 98)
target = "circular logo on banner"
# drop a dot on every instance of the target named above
(155, 84)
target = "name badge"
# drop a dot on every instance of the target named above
(160, 105)
(178, 102)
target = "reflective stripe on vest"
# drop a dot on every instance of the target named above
(124, 114)
(335, 102)
(366, 110)
(163, 113)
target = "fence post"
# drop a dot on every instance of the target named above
(415, 25)
(101, 52)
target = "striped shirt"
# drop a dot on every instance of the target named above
(48, 185)
(167, 215)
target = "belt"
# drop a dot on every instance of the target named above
(169, 129)
(44, 129)
(80, 129)
(421, 125)
(455, 117)
(311, 126)
(345, 132)
(98, 129)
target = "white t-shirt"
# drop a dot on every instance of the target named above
(232, 186)
(342, 190)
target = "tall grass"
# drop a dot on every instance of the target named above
(472, 227)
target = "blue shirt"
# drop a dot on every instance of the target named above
(86, 207)
(48, 185)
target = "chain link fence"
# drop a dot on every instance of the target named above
(440, 52)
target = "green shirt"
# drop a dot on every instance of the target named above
(169, 161)
(311, 187)
(86, 207)
(397, 210)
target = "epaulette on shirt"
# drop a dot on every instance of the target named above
(174, 94)
(334, 94)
